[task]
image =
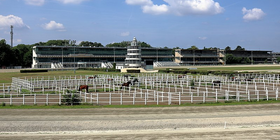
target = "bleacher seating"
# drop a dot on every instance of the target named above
(165, 64)
(107, 65)
(56, 65)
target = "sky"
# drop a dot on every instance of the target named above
(252, 24)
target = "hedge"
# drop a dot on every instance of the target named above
(32, 70)
(101, 69)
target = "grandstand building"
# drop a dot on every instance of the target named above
(217, 56)
(82, 56)
(198, 57)
(256, 57)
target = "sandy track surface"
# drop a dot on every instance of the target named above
(218, 122)
(9, 70)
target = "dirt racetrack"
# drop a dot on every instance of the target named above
(212, 122)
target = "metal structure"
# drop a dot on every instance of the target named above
(12, 33)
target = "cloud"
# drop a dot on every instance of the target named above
(125, 33)
(202, 38)
(18, 40)
(7, 21)
(155, 9)
(179, 7)
(252, 14)
(52, 25)
(35, 2)
(139, 2)
(71, 1)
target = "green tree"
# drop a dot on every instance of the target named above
(58, 43)
(23, 55)
(121, 44)
(93, 44)
(228, 48)
(239, 48)
(6, 54)
(278, 59)
(71, 99)
(145, 45)
(193, 48)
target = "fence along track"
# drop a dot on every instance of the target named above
(152, 89)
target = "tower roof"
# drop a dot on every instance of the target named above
(134, 39)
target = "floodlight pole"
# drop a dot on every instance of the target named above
(74, 60)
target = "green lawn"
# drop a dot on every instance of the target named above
(7, 77)
(231, 68)
(6, 106)
(265, 68)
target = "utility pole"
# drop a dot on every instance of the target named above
(12, 33)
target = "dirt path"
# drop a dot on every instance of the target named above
(218, 122)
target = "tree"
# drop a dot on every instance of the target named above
(211, 48)
(6, 54)
(127, 43)
(193, 48)
(23, 55)
(121, 44)
(239, 48)
(57, 42)
(71, 99)
(145, 45)
(93, 44)
(228, 48)
(278, 59)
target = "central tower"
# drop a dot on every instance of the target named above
(133, 57)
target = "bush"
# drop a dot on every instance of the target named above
(101, 69)
(3, 104)
(133, 71)
(32, 70)
(71, 99)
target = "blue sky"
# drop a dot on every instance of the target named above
(253, 24)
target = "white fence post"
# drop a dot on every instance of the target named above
(97, 102)
(23, 99)
(266, 93)
(34, 99)
(258, 95)
(121, 99)
(248, 95)
(276, 94)
(216, 95)
(59, 101)
(110, 98)
(11, 100)
(91, 98)
(145, 98)
(204, 97)
(134, 98)
(191, 97)
(157, 97)
(47, 99)
(179, 98)
(85, 96)
(169, 98)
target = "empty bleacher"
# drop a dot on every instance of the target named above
(56, 65)
(165, 64)
(107, 65)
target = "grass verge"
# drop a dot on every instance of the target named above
(85, 106)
